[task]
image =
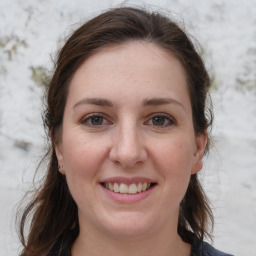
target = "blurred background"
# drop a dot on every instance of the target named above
(31, 31)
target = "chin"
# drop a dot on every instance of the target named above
(129, 225)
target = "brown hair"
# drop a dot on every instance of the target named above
(53, 211)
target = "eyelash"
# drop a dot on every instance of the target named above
(168, 118)
(90, 117)
(88, 120)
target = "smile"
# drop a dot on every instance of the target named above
(123, 188)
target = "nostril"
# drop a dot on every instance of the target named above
(127, 151)
(128, 159)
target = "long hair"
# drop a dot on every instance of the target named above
(52, 213)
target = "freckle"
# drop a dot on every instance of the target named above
(180, 146)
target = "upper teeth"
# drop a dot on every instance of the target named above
(127, 189)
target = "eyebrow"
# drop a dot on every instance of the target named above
(161, 101)
(146, 102)
(94, 101)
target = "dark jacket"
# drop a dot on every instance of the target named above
(199, 248)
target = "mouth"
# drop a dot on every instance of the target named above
(123, 188)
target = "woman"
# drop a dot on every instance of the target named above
(126, 115)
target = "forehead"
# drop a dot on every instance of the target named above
(134, 68)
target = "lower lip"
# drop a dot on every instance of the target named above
(128, 198)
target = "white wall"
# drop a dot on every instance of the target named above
(28, 35)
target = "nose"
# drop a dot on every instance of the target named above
(128, 148)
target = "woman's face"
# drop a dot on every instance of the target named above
(128, 144)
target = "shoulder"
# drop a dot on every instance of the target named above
(201, 248)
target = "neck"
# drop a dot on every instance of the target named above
(159, 243)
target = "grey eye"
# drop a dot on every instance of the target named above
(96, 120)
(159, 120)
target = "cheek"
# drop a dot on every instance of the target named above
(174, 160)
(82, 160)
(82, 157)
(175, 155)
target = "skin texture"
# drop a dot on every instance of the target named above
(134, 136)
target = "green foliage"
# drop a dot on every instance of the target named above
(10, 45)
(247, 79)
(248, 84)
(38, 75)
(214, 84)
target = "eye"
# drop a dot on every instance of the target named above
(161, 120)
(95, 120)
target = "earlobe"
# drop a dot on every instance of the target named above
(201, 142)
(58, 152)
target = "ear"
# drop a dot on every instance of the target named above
(58, 151)
(201, 142)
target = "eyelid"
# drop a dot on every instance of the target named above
(87, 117)
(84, 120)
(167, 116)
